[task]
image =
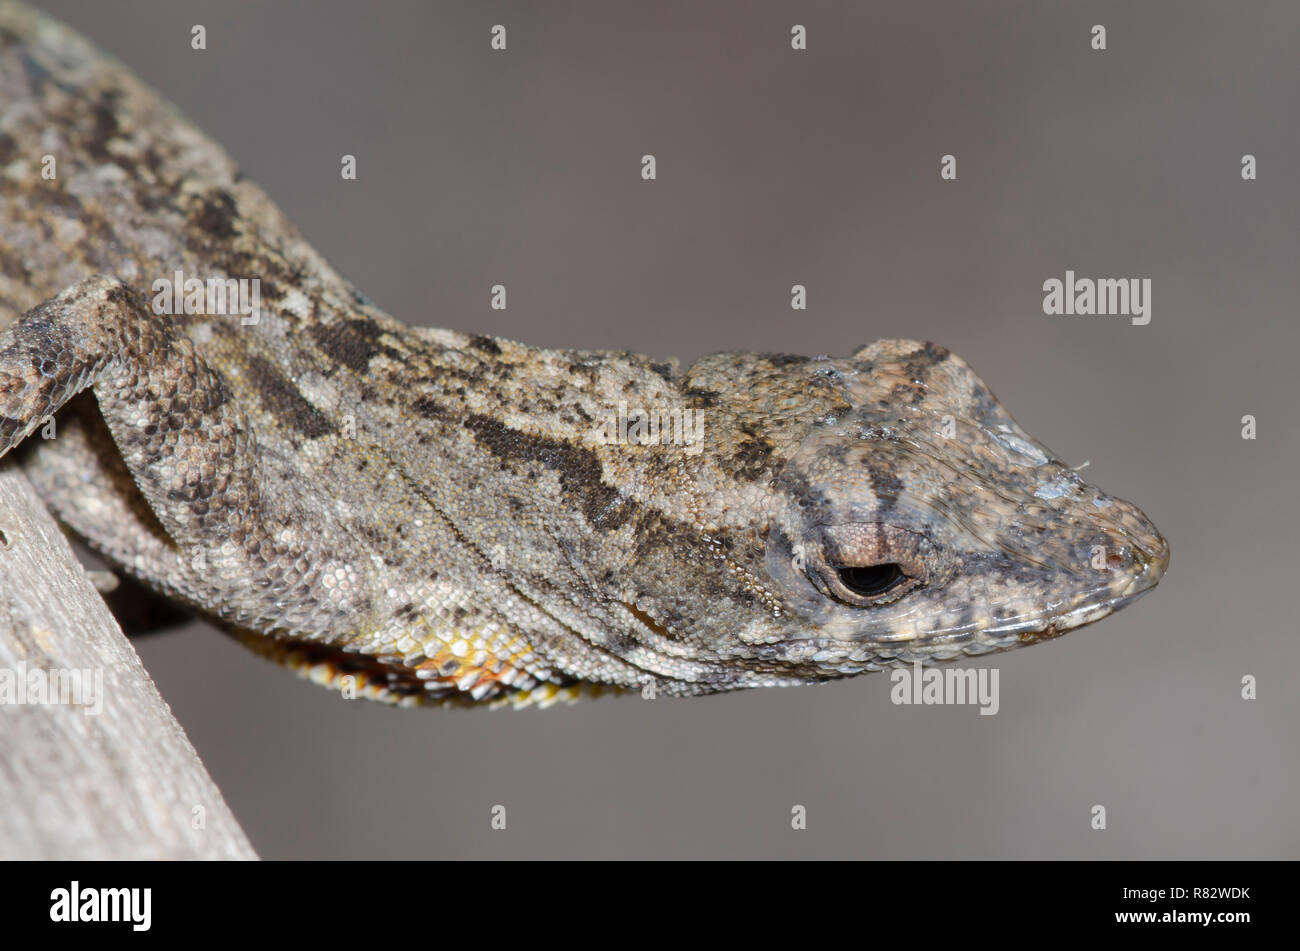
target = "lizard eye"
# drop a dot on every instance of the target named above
(871, 581)
(867, 565)
(864, 586)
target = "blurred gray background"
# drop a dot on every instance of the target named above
(822, 168)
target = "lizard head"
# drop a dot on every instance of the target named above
(903, 515)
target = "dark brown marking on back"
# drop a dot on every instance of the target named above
(217, 215)
(282, 399)
(486, 344)
(753, 455)
(700, 397)
(577, 467)
(106, 127)
(353, 343)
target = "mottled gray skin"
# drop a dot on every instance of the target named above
(434, 513)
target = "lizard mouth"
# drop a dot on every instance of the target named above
(1067, 621)
(1088, 609)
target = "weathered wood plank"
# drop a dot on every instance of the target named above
(123, 782)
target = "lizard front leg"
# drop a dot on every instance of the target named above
(189, 448)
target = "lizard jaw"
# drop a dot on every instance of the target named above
(1025, 631)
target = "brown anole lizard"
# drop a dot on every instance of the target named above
(443, 516)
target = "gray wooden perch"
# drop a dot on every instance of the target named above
(122, 783)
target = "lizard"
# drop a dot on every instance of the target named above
(428, 516)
